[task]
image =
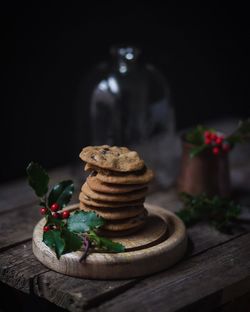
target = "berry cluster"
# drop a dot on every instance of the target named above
(55, 214)
(217, 142)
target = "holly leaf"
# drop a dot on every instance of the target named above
(72, 241)
(197, 150)
(187, 216)
(244, 127)
(109, 245)
(54, 240)
(217, 210)
(81, 221)
(105, 243)
(61, 193)
(196, 135)
(241, 134)
(38, 179)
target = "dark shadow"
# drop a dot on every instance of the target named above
(15, 300)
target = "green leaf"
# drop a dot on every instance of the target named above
(54, 240)
(241, 134)
(244, 126)
(186, 216)
(72, 241)
(82, 221)
(110, 245)
(196, 135)
(61, 193)
(105, 243)
(217, 210)
(197, 150)
(38, 179)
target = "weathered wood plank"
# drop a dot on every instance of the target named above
(57, 288)
(18, 267)
(168, 199)
(75, 294)
(198, 284)
(17, 225)
(241, 304)
(71, 293)
(202, 236)
(19, 272)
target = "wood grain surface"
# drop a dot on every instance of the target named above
(214, 272)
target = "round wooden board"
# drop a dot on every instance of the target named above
(157, 246)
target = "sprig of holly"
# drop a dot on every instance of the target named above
(63, 231)
(204, 138)
(220, 212)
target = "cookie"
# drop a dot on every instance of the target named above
(114, 158)
(102, 187)
(126, 224)
(91, 167)
(143, 176)
(132, 196)
(96, 203)
(114, 214)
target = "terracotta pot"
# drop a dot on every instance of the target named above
(204, 173)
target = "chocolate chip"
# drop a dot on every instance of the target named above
(104, 152)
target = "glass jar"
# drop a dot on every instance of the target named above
(126, 102)
(129, 102)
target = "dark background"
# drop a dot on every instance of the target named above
(203, 51)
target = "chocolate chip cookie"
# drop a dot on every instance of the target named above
(99, 186)
(132, 196)
(142, 176)
(114, 158)
(114, 214)
(101, 204)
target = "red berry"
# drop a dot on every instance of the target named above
(46, 228)
(56, 215)
(226, 147)
(43, 210)
(207, 141)
(65, 214)
(54, 207)
(216, 150)
(219, 140)
(207, 134)
(213, 136)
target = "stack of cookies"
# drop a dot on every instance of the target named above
(115, 188)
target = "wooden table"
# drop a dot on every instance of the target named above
(213, 276)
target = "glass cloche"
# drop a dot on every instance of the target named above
(128, 103)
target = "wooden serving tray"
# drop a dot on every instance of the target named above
(158, 245)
